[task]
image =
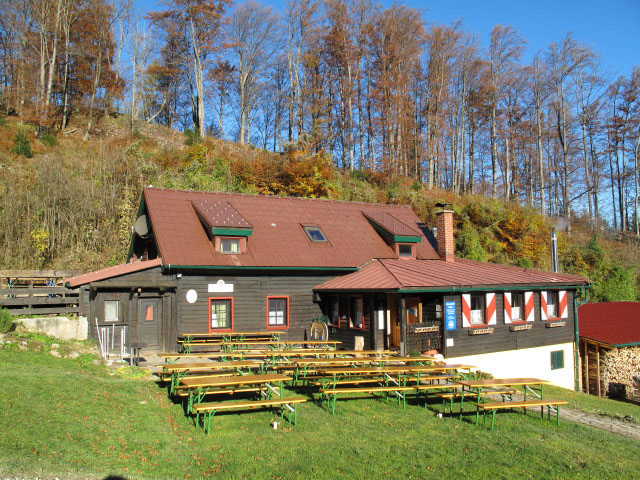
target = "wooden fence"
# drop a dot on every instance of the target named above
(29, 292)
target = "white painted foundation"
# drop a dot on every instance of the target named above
(526, 362)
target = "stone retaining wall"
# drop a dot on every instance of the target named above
(64, 328)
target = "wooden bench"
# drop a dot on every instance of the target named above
(182, 391)
(331, 394)
(208, 410)
(494, 406)
(453, 395)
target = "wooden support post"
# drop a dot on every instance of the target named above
(598, 368)
(403, 326)
(373, 318)
(586, 364)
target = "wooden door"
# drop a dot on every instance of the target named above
(414, 310)
(149, 318)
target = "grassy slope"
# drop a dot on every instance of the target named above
(71, 420)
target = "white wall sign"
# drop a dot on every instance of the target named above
(192, 296)
(449, 342)
(220, 287)
(380, 319)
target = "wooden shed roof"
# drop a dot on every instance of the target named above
(612, 323)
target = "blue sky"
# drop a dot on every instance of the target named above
(611, 27)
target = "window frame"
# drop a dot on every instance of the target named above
(330, 311)
(349, 319)
(242, 244)
(104, 311)
(555, 295)
(523, 317)
(483, 298)
(410, 245)
(308, 228)
(559, 354)
(220, 329)
(287, 321)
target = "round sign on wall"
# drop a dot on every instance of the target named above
(192, 296)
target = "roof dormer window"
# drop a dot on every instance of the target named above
(230, 245)
(315, 234)
(405, 250)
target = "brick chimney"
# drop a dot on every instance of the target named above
(446, 247)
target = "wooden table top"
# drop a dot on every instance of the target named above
(234, 380)
(385, 369)
(312, 361)
(307, 352)
(279, 342)
(501, 382)
(212, 365)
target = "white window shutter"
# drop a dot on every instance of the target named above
(507, 307)
(563, 308)
(466, 310)
(491, 309)
(529, 313)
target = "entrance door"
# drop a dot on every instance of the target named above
(149, 318)
(414, 310)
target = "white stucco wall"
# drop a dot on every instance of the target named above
(526, 362)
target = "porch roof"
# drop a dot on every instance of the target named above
(111, 272)
(412, 274)
(612, 323)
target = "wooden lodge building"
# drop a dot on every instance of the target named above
(220, 262)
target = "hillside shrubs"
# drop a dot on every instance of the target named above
(22, 145)
(6, 320)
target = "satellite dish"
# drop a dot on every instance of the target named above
(142, 227)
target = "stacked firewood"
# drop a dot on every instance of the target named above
(621, 372)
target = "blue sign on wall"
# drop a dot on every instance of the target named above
(450, 315)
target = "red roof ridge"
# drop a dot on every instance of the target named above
(282, 197)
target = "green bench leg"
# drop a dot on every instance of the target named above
(493, 417)
(557, 414)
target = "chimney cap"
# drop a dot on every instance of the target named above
(442, 205)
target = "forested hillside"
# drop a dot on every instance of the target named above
(69, 203)
(337, 98)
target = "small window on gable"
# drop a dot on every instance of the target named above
(315, 234)
(405, 250)
(230, 245)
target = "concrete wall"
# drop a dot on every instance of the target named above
(60, 327)
(527, 362)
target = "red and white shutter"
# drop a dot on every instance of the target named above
(491, 308)
(563, 311)
(543, 306)
(466, 310)
(507, 307)
(528, 307)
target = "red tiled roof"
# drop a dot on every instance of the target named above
(111, 272)
(612, 323)
(220, 214)
(391, 224)
(278, 236)
(408, 273)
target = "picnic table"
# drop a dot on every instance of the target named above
(200, 386)
(213, 337)
(335, 373)
(180, 370)
(272, 344)
(303, 365)
(476, 387)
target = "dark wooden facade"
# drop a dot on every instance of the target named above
(502, 337)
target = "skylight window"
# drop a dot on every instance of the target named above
(315, 234)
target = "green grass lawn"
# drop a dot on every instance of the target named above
(73, 419)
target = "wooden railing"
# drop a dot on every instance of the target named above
(40, 300)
